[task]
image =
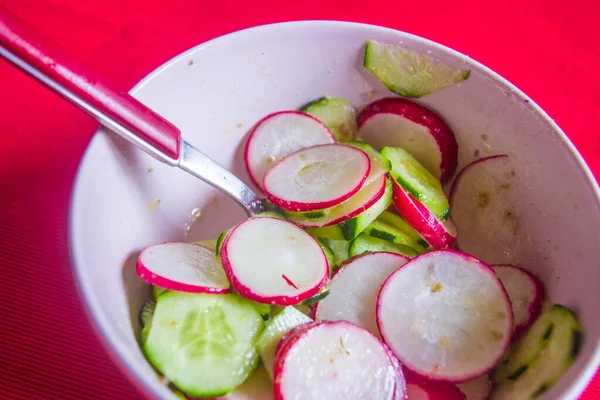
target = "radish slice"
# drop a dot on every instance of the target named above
(477, 389)
(278, 135)
(183, 267)
(354, 289)
(455, 318)
(317, 177)
(270, 260)
(398, 122)
(336, 360)
(484, 202)
(439, 234)
(526, 294)
(365, 198)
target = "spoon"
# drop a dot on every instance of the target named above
(29, 50)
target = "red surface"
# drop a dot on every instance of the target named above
(47, 347)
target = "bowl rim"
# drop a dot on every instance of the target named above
(117, 350)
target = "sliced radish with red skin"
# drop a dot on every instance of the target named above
(287, 338)
(485, 208)
(361, 201)
(398, 122)
(476, 389)
(271, 260)
(526, 294)
(183, 267)
(354, 289)
(336, 360)
(455, 318)
(439, 234)
(278, 135)
(317, 177)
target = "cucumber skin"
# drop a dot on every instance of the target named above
(372, 153)
(350, 229)
(344, 129)
(367, 244)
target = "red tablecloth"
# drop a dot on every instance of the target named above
(47, 346)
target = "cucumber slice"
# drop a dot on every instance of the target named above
(220, 241)
(557, 350)
(337, 114)
(352, 227)
(282, 323)
(418, 181)
(368, 244)
(340, 250)
(210, 244)
(317, 297)
(203, 343)
(328, 254)
(389, 233)
(157, 291)
(409, 73)
(372, 153)
(263, 309)
(396, 221)
(146, 316)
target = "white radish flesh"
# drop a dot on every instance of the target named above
(526, 294)
(317, 177)
(336, 360)
(354, 289)
(270, 260)
(278, 135)
(183, 267)
(446, 316)
(484, 203)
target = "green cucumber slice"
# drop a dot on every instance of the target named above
(317, 297)
(328, 254)
(367, 244)
(407, 72)
(557, 349)
(220, 241)
(263, 309)
(340, 251)
(372, 153)
(396, 221)
(352, 227)
(282, 323)
(392, 234)
(337, 114)
(157, 291)
(203, 343)
(418, 181)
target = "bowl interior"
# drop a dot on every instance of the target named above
(124, 200)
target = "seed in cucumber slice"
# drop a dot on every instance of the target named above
(418, 181)
(368, 244)
(146, 317)
(280, 324)
(409, 73)
(203, 343)
(557, 349)
(337, 114)
(371, 152)
(351, 228)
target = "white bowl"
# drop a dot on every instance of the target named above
(215, 92)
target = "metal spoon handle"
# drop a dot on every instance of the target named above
(32, 52)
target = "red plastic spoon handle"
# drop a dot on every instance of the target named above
(31, 51)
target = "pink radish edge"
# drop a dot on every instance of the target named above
(421, 219)
(152, 278)
(437, 127)
(535, 306)
(485, 268)
(249, 294)
(258, 124)
(466, 169)
(300, 206)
